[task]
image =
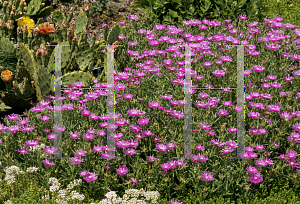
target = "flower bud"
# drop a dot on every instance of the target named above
(64, 24)
(12, 14)
(6, 76)
(5, 3)
(10, 25)
(57, 27)
(25, 29)
(94, 34)
(71, 10)
(38, 53)
(43, 4)
(70, 31)
(19, 30)
(74, 40)
(63, 9)
(86, 7)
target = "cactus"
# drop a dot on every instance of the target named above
(81, 22)
(65, 57)
(33, 7)
(40, 75)
(69, 78)
(84, 56)
(113, 35)
(9, 55)
(25, 88)
(58, 17)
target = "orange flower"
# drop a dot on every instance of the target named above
(45, 28)
(6, 76)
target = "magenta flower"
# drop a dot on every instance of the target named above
(58, 128)
(45, 118)
(133, 180)
(129, 151)
(32, 143)
(23, 150)
(50, 150)
(165, 166)
(76, 160)
(252, 170)
(84, 173)
(101, 133)
(206, 64)
(227, 150)
(170, 146)
(90, 177)
(256, 178)
(218, 73)
(74, 136)
(122, 170)
(12, 117)
(292, 163)
(261, 162)
(151, 158)
(13, 128)
(87, 136)
(291, 154)
(205, 176)
(161, 147)
(52, 136)
(80, 153)
(48, 163)
(143, 121)
(23, 121)
(200, 147)
(153, 104)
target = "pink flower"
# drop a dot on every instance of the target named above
(133, 180)
(165, 166)
(205, 176)
(252, 170)
(48, 163)
(32, 143)
(52, 136)
(122, 170)
(76, 160)
(90, 177)
(161, 147)
(143, 121)
(256, 178)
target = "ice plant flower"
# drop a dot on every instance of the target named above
(206, 176)
(122, 170)
(256, 178)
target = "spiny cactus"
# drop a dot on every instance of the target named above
(58, 17)
(113, 34)
(40, 75)
(69, 78)
(65, 57)
(9, 55)
(84, 56)
(81, 22)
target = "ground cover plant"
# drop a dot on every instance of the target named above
(149, 119)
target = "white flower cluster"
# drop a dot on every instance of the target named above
(8, 202)
(37, 147)
(62, 196)
(11, 174)
(56, 184)
(131, 197)
(74, 183)
(32, 169)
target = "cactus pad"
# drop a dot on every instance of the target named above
(84, 56)
(69, 78)
(45, 11)
(37, 5)
(9, 55)
(113, 34)
(81, 22)
(65, 57)
(58, 17)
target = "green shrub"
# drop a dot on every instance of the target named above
(174, 11)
